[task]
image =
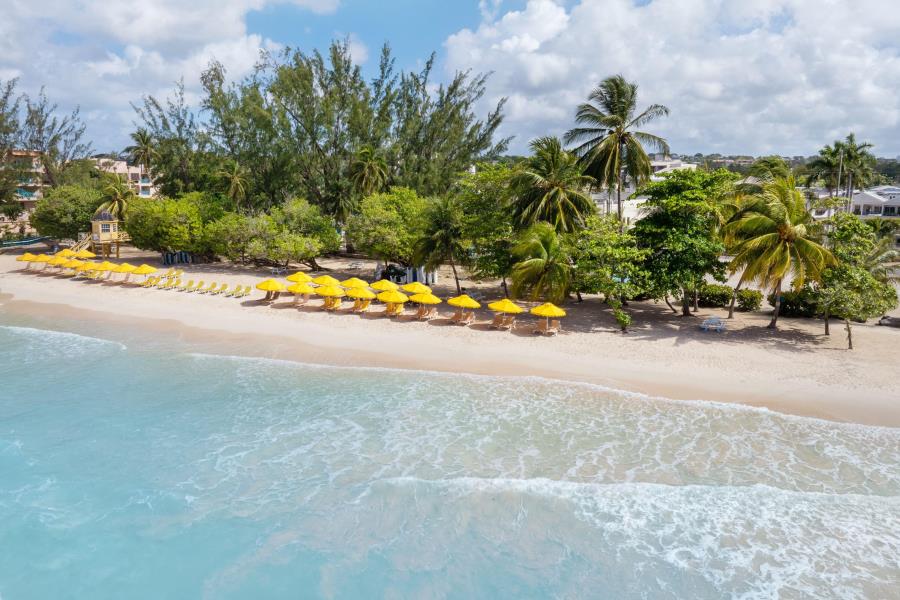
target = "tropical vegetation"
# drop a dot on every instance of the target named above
(305, 157)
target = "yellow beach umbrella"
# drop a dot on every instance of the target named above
(106, 266)
(66, 253)
(301, 288)
(72, 263)
(548, 310)
(84, 254)
(464, 301)
(425, 299)
(360, 294)
(125, 268)
(42, 258)
(27, 257)
(331, 291)
(270, 285)
(383, 285)
(506, 306)
(144, 270)
(299, 277)
(354, 283)
(57, 261)
(326, 280)
(86, 266)
(393, 297)
(416, 288)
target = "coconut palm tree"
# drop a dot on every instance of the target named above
(882, 262)
(859, 163)
(827, 167)
(368, 172)
(773, 241)
(544, 269)
(443, 240)
(235, 177)
(550, 186)
(609, 144)
(116, 196)
(142, 151)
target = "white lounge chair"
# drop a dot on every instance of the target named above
(713, 324)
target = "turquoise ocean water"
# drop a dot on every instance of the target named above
(139, 468)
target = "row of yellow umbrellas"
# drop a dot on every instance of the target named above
(62, 254)
(356, 288)
(68, 259)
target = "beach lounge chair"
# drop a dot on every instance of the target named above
(197, 287)
(545, 328)
(503, 322)
(713, 324)
(554, 327)
(222, 289)
(361, 306)
(334, 305)
(461, 317)
(426, 313)
(235, 291)
(149, 281)
(242, 292)
(542, 327)
(211, 287)
(182, 288)
(175, 285)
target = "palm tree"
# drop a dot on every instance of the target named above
(773, 241)
(143, 151)
(235, 176)
(608, 144)
(116, 196)
(882, 261)
(543, 268)
(842, 163)
(443, 239)
(859, 163)
(368, 172)
(827, 167)
(550, 186)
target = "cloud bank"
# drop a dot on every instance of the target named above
(102, 55)
(740, 76)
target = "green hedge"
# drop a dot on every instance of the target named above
(749, 300)
(712, 294)
(801, 303)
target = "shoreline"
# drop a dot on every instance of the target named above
(831, 385)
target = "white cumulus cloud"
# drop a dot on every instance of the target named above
(754, 76)
(102, 55)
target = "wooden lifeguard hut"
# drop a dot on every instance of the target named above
(107, 234)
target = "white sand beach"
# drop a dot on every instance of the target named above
(794, 370)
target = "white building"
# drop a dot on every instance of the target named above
(881, 201)
(631, 205)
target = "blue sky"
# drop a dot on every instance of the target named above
(414, 28)
(739, 76)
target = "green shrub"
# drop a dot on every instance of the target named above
(712, 294)
(749, 300)
(622, 318)
(802, 303)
